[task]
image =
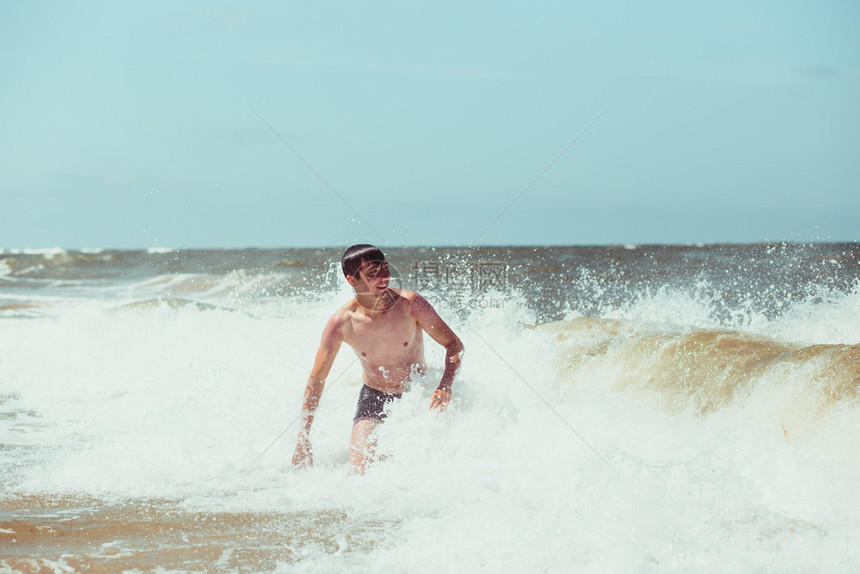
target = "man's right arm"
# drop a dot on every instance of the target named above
(329, 346)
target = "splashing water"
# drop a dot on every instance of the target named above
(636, 409)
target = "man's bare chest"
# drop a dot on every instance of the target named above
(392, 329)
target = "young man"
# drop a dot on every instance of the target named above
(385, 327)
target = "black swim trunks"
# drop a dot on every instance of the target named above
(371, 404)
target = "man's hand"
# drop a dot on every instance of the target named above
(304, 455)
(440, 400)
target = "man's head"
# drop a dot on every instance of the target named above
(353, 258)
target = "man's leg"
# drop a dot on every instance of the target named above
(362, 444)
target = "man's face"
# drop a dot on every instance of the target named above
(373, 278)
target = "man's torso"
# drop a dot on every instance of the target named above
(388, 343)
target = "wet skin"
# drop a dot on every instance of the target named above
(385, 328)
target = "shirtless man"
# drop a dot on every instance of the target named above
(385, 327)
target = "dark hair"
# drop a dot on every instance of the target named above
(353, 257)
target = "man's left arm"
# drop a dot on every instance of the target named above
(433, 324)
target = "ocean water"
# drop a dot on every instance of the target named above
(619, 409)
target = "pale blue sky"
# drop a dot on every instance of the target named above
(139, 124)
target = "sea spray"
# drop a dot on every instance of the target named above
(618, 409)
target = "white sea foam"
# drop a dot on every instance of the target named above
(217, 289)
(47, 252)
(526, 472)
(179, 403)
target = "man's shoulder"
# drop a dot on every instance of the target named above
(406, 294)
(344, 313)
(409, 296)
(414, 299)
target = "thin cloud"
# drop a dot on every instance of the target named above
(818, 72)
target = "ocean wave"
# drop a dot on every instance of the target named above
(657, 440)
(703, 370)
(47, 252)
